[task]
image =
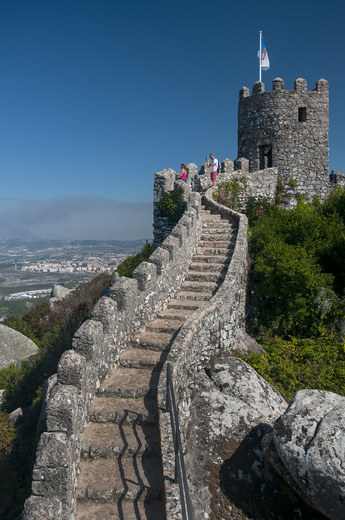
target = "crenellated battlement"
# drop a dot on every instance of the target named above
(300, 86)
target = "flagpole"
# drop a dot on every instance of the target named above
(260, 54)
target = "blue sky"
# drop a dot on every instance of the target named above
(98, 95)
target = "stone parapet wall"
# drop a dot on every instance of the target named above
(262, 183)
(97, 345)
(206, 332)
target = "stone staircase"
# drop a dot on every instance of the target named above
(120, 469)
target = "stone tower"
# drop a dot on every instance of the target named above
(287, 129)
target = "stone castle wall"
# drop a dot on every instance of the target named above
(287, 129)
(97, 345)
(210, 330)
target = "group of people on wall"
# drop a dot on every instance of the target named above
(211, 162)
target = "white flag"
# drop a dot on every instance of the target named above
(265, 62)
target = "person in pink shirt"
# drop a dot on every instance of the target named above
(183, 173)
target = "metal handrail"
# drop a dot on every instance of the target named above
(180, 469)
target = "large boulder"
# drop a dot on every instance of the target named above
(58, 293)
(233, 407)
(14, 347)
(307, 448)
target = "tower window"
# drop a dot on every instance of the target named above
(302, 114)
(265, 156)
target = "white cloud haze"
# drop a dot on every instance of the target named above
(69, 218)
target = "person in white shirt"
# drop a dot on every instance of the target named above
(213, 162)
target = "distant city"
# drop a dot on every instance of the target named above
(29, 269)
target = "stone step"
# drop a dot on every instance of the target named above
(218, 244)
(196, 286)
(153, 340)
(207, 215)
(129, 382)
(206, 266)
(164, 325)
(185, 305)
(175, 314)
(217, 224)
(140, 358)
(203, 276)
(120, 510)
(201, 296)
(108, 479)
(216, 237)
(113, 440)
(212, 251)
(215, 260)
(124, 410)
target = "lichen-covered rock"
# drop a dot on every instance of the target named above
(232, 401)
(240, 382)
(307, 447)
(14, 347)
(59, 292)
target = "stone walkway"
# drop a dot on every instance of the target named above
(120, 470)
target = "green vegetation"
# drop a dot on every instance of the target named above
(172, 205)
(293, 183)
(127, 267)
(228, 193)
(297, 363)
(297, 293)
(52, 329)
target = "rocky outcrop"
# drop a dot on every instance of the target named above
(14, 347)
(307, 448)
(58, 293)
(231, 403)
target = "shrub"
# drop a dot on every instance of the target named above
(129, 265)
(6, 436)
(172, 205)
(293, 364)
(294, 264)
(228, 192)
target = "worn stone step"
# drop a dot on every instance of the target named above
(190, 286)
(206, 267)
(203, 276)
(175, 314)
(212, 251)
(218, 244)
(210, 259)
(217, 224)
(124, 410)
(185, 306)
(216, 234)
(129, 382)
(207, 215)
(113, 440)
(164, 325)
(107, 479)
(121, 509)
(207, 237)
(198, 296)
(140, 358)
(153, 340)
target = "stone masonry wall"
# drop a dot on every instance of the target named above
(165, 181)
(272, 123)
(257, 184)
(96, 348)
(207, 331)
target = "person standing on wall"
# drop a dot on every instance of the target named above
(183, 173)
(213, 162)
